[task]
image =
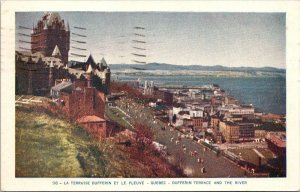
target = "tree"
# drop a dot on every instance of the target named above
(180, 160)
(97, 83)
(144, 137)
(129, 90)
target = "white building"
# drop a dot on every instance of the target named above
(148, 88)
(237, 110)
(196, 113)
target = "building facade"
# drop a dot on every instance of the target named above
(86, 105)
(83, 101)
(246, 131)
(198, 123)
(94, 125)
(277, 143)
(36, 74)
(214, 121)
(165, 96)
(230, 131)
(101, 72)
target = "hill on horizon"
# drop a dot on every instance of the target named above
(173, 67)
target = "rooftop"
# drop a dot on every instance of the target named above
(278, 139)
(35, 58)
(90, 118)
(51, 17)
(63, 85)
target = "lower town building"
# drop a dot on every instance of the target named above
(237, 131)
(260, 134)
(246, 111)
(218, 137)
(217, 100)
(277, 143)
(148, 88)
(230, 131)
(234, 118)
(229, 100)
(246, 131)
(165, 96)
(198, 123)
(214, 121)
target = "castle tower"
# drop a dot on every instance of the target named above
(50, 32)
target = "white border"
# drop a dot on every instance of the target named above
(8, 9)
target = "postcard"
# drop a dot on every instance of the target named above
(150, 96)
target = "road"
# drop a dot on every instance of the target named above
(215, 166)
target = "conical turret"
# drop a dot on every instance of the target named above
(56, 52)
(89, 73)
(91, 61)
(51, 64)
(90, 69)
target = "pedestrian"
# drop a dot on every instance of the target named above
(196, 152)
(198, 160)
(202, 170)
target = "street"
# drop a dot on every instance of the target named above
(192, 156)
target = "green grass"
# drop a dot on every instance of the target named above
(48, 146)
(116, 115)
(45, 147)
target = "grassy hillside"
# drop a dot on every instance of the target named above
(47, 146)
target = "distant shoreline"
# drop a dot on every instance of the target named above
(266, 93)
(216, 74)
(173, 67)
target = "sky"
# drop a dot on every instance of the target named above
(181, 38)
